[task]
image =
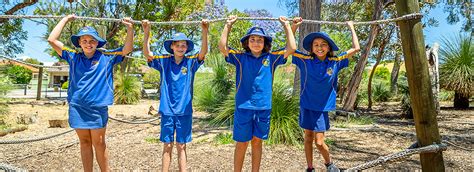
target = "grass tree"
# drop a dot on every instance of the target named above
(127, 89)
(457, 68)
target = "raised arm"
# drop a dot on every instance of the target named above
(146, 40)
(54, 36)
(290, 38)
(225, 33)
(205, 31)
(128, 47)
(355, 41)
(296, 23)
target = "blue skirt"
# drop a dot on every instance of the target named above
(83, 117)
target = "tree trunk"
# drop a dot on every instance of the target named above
(421, 95)
(432, 56)
(379, 58)
(461, 101)
(17, 7)
(311, 10)
(394, 75)
(354, 83)
(369, 85)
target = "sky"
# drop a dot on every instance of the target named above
(35, 45)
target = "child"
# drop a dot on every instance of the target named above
(177, 76)
(254, 75)
(319, 72)
(90, 88)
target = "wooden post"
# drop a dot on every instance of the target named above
(419, 83)
(309, 9)
(40, 81)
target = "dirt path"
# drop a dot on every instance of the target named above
(128, 148)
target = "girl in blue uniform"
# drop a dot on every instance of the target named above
(254, 74)
(177, 76)
(90, 88)
(319, 70)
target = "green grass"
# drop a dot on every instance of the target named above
(4, 127)
(152, 140)
(329, 141)
(223, 139)
(360, 120)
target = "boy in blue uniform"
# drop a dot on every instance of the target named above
(177, 76)
(319, 71)
(90, 88)
(254, 76)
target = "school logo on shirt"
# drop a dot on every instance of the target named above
(95, 62)
(329, 71)
(184, 70)
(266, 62)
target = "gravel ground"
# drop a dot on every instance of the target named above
(128, 148)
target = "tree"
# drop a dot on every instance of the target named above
(310, 10)
(379, 57)
(32, 61)
(457, 68)
(18, 74)
(357, 75)
(12, 34)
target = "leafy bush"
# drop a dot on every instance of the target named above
(382, 92)
(151, 79)
(18, 74)
(127, 89)
(65, 85)
(224, 138)
(213, 92)
(382, 73)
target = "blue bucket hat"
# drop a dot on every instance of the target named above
(179, 37)
(308, 41)
(256, 31)
(87, 31)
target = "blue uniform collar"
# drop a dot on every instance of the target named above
(261, 55)
(173, 60)
(316, 59)
(96, 55)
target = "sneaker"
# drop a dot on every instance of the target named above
(331, 167)
(310, 170)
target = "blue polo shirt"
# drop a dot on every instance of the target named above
(254, 78)
(176, 83)
(91, 79)
(319, 80)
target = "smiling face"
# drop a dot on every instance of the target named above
(88, 44)
(179, 48)
(320, 47)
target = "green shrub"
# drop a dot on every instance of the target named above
(446, 95)
(65, 85)
(381, 92)
(382, 73)
(224, 138)
(19, 74)
(151, 79)
(127, 89)
(213, 92)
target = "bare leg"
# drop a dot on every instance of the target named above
(166, 156)
(322, 147)
(308, 147)
(85, 142)
(182, 157)
(256, 153)
(101, 152)
(239, 155)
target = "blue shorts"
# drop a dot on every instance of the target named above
(317, 121)
(249, 123)
(181, 124)
(82, 117)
